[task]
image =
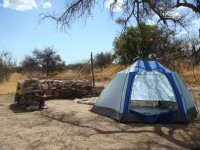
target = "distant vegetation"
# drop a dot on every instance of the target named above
(48, 62)
(103, 59)
(153, 42)
(45, 61)
(6, 65)
(79, 65)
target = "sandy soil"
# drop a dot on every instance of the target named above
(68, 125)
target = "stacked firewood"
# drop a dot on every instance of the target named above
(32, 93)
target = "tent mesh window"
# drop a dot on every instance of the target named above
(152, 90)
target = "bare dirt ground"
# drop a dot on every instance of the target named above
(68, 125)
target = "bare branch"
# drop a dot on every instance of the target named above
(138, 10)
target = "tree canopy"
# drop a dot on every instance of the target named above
(46, 60)
(152, 42)
(131, 44)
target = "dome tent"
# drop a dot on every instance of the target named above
(146, 92)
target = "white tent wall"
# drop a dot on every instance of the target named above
(112, 95)
(185, 93)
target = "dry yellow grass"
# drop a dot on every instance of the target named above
(10, 85)
(100, 74)
(191, 76)
(69, 74)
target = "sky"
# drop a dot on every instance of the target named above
(21, 30)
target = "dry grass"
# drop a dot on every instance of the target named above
(109, 72)
(69, 74)
(192, 75)
(10, 85)
(100, 74)
(187, 72)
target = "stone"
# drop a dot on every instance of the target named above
(34, 92)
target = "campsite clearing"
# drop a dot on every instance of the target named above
(68, 125)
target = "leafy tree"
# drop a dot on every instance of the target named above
(46, 60)
(148, 43)
(132, 43)
(137, 10)
(103, 59)
(30, 65)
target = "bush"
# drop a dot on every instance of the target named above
(103, 59)
(46, 61)
(6, 65)
(78, 66)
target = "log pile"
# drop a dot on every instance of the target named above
(31, 94)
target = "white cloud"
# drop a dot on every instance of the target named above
(46, 4)
(20, 5)
(117, 7)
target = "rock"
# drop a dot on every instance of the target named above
(88, 101)
(32, 107)
(34, 92)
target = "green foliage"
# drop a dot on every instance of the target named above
(135, 42)
(147, 42)
(103, 59)
(46, 60)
